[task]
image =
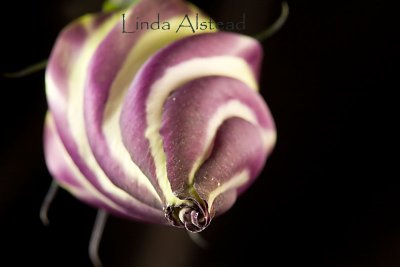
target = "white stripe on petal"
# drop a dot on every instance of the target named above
(85, 190)
(233, 108)
(75, 111)
(147, 45)
(233, 183)
(173, 78)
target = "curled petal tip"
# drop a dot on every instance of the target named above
(194, 216)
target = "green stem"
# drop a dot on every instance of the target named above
(27, 71)
(276, 26)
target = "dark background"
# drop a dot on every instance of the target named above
(328, 196)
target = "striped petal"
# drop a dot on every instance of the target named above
(104, 96)
(155, 123)
(172, 151)
(88, 75)
(196, 114)
(62, 167)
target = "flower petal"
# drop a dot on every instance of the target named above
(223, 54)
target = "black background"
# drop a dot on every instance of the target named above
(328, 195)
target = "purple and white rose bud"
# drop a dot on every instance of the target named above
(155, 126)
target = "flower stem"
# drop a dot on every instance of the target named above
(27, 71)
(276, 26)
(51, 194)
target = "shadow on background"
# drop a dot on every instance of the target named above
(326, 197)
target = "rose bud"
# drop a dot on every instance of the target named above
(159, 126)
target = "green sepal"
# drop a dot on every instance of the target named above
(112, 5)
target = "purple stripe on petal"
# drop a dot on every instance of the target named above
(225, 201)
(187, 113)
(62, 172)
(68, 47)
(62, 62)
(136, 209)
(107, 61)
(133, 119)
(55, 160)
(238, 146)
